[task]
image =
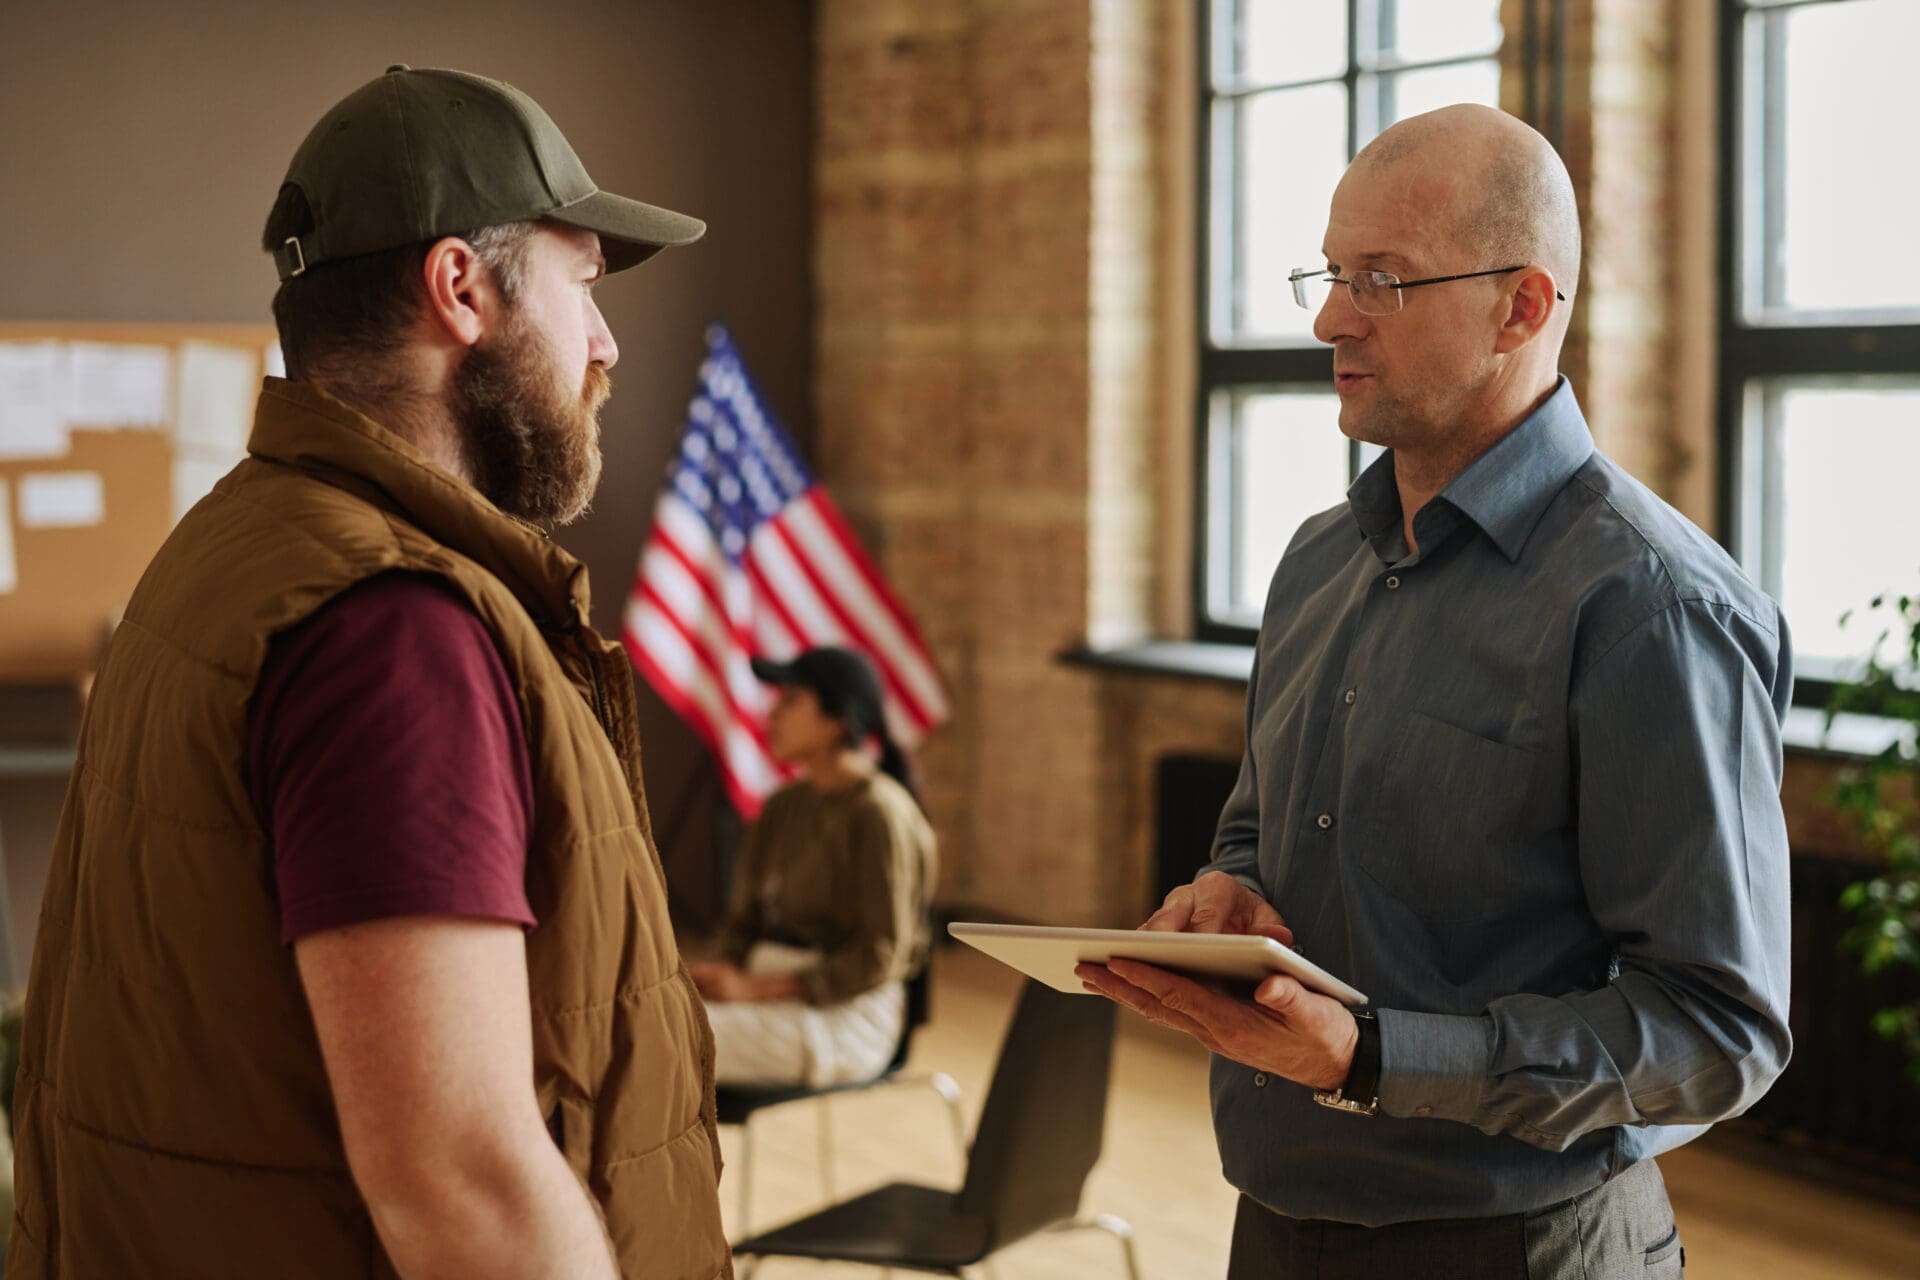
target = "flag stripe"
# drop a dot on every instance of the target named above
(844, 580)
(906, 728)
(847, 624)
(738, 747)
(680, 531)
(817, 615)
(680, 524)
(775, 613)
(745, 697)
(745, 798)
(836, 522)
(788, 592)
(666, 569)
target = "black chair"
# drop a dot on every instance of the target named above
(736, 1105)
(1039, 1137)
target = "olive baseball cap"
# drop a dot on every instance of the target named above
(417, 155)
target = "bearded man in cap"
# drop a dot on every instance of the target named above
(354, 958)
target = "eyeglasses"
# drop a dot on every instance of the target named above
(1375, 293)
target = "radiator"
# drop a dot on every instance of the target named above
(1843, 1094)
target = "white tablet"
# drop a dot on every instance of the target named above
(1048, 953)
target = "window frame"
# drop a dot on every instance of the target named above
(1229, 366)
(1777, 347)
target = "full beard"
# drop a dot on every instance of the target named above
(532, 445)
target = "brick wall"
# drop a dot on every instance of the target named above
(1635, 156)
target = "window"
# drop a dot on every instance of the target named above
(1820, 323)
(1291, 89)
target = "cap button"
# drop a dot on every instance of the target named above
(398, 66)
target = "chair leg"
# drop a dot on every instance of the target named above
(1117, 1227)
(745, 1214)
(825, 1133)
(746, 1268)
(944, 1085)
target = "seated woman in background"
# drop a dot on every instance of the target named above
(828, 917)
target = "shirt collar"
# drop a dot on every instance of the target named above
(1505, 490)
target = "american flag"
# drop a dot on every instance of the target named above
(749, 557)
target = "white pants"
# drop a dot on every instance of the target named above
(786, 1042)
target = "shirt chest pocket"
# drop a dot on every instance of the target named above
(1462, 827)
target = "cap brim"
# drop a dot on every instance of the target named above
(630, 231)
(771, 672)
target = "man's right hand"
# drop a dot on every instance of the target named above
(1218, 903)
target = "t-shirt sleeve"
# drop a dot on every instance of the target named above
(387, 761)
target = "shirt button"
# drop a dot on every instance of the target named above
(1324, 821)
(1393, 584)
(1350, 696)
(1259, 1079)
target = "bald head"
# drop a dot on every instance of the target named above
(1500, 188)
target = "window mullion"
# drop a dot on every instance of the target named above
(1773, 491)
(1385, 83)
(1355, 15)
(1773, 113)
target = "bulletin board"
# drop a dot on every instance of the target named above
(108, 434)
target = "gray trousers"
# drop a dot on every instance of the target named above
(1621, 1230)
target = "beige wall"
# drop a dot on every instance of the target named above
(142, 143)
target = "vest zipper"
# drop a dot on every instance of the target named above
(576, 632)
(599, 695)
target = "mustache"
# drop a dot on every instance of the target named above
(596, 387)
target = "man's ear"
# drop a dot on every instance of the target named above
(462, 300)
(1530, 304)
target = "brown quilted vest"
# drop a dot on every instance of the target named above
(173, 1117)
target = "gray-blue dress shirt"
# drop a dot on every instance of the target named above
(1522, 789)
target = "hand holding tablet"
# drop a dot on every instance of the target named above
(1048, 953)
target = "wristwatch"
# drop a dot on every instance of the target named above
(1360, 1091)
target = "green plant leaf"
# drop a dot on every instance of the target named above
(1875, 798)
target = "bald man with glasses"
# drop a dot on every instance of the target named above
(1512, 768)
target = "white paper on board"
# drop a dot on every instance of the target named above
(117, 384)
(33, 400)
(9, 569)
(62, 499)
(217, 392)
(193, 479)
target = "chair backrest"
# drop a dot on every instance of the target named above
(1045, 1116)
(919, 1012)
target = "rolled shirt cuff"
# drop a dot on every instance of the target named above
(1434, 1065)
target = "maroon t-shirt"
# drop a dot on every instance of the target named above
(387, 761)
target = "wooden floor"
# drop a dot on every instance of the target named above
(1162, 1173)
